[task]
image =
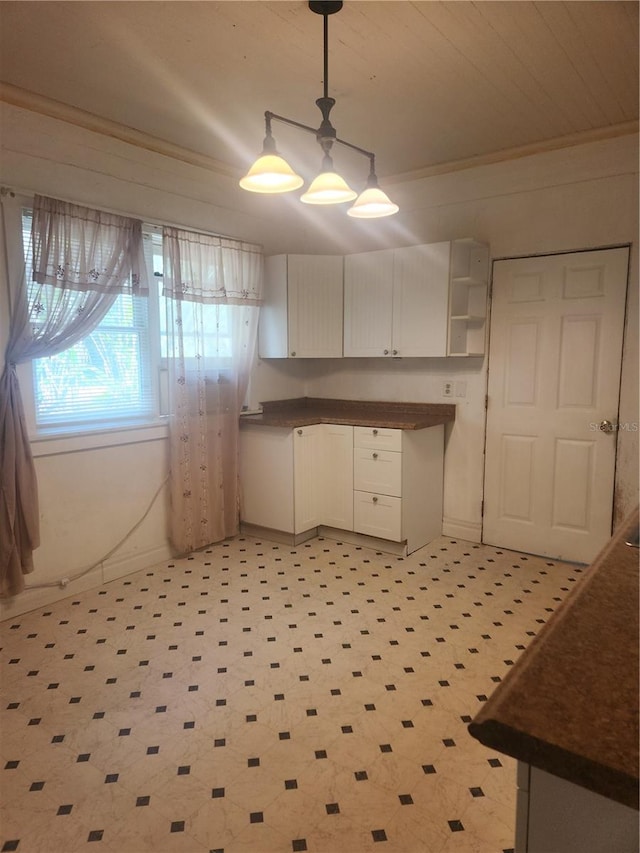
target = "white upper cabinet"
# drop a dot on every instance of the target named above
(414, 302)
(302, 315)
(396, 302)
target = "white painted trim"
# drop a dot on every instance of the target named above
(457, 528)
(55, 445)
(25, 99)
(119, 567)
(34, 599)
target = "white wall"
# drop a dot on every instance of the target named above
(570, 199)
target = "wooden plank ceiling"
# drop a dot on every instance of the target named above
(420, 83)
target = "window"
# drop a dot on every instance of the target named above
(117, 376)
(107, 379)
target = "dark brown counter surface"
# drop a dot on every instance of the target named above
(570, 704)
(304, 411)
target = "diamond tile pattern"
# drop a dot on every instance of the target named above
(263, 698)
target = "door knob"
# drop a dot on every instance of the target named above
(607, 426)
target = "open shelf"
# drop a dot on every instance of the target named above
(468, 289)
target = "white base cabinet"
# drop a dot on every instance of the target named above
(556, 816)
(398, 477)
(295, 480)
(382, 483)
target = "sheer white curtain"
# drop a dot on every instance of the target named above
(81, 260)
(213, 289)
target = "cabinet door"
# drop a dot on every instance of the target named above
(337, 476)
(307, 472)
(272, 324)
(266, 477)
(315, 306)
(368, 300)
(421, 300)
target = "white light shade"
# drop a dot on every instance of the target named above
(271, 174)
(328, 188)
(371, 204)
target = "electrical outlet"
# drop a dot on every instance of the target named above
(447, 389)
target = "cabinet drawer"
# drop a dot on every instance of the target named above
(377, 471)
(377, 438)
(377, 515)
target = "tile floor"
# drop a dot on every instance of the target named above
(263, 698)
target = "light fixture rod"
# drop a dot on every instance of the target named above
(269, 117)
(325, 29)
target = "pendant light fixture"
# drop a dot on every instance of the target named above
(272, 174)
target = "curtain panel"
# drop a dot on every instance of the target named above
(213, 290)
(81, 260)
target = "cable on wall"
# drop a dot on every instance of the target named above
(64, 582)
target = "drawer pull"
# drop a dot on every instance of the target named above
(374, 499)
(299, 432)
(375, 431)
(375, 455)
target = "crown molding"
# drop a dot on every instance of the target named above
(597, 134)
(33, 102)
(28, 100)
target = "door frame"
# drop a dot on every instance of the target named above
(627, 245)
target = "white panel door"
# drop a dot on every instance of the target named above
(368, 300)
(554, 375)
(421, 300)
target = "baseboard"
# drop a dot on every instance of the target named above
(119, 567)
(33, 599)
(364, 541)
(456, 528)
(279, 536)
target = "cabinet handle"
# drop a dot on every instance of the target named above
(375, 431)
(374, 499)
(299, 432)
(385, 352)
(375, 455)
(395, 352)
(293, 353)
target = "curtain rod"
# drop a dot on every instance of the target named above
(28, 193)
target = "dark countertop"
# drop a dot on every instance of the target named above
(304, 411)
(570, 704)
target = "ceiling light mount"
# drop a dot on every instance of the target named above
(272, 174)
